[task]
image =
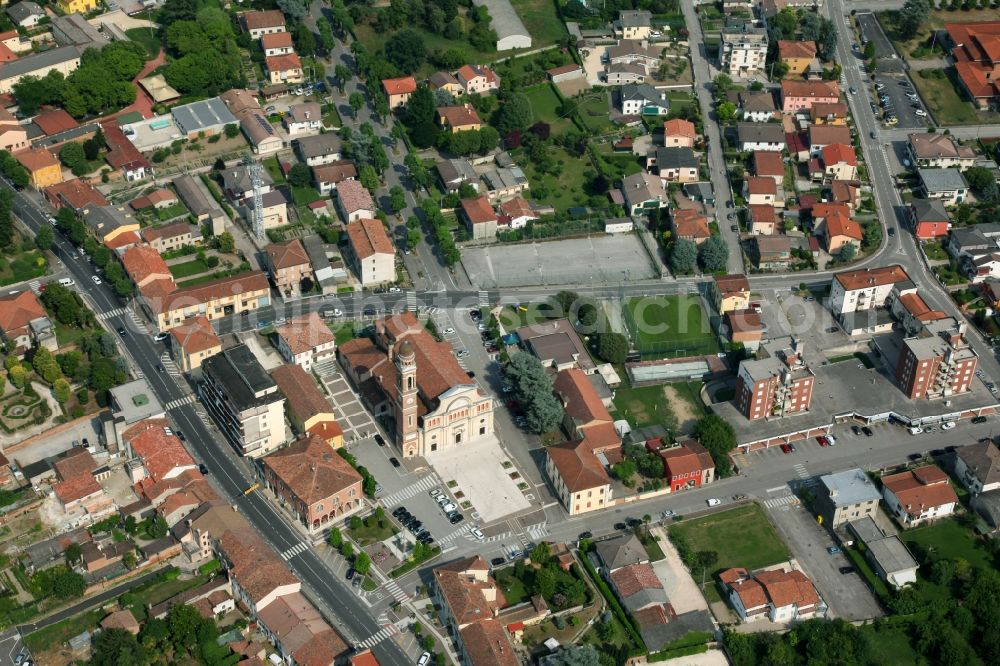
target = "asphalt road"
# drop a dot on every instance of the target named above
(230, 475)
(713, 135)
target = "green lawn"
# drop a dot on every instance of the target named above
(545, 108)
(188, 268)
(274, 170)
(680, 100)
(303, 196)
(22, 266)
(643, 406)
(512, 318)
(67, 335)
(148, 38)
(541, 20)
(594, 112)
(170, 212)
(374, 40)
(944, 102)
(370, 532)
(343, 331)
(669, 324)
(891, 645)
(55, 635)
(514, 589)
(950, 540)
(742, 537)
(563, 190)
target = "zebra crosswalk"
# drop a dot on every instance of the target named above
(484, 298)
(111, 314)
(778, 502)
(327, 368)
(180, 402)
(800, 471)
(169, 365)
(411, 301)
(398, 593)
(35, 286)
(297, 549)
(379, 636)
(426, 483)
(538, 531)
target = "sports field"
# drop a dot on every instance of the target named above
(669, 325)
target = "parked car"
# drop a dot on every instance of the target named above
(379, 439)
(948, 425)
(456, 518)
(435, 492)
(394, 462)
(979, 419)
(586, 535)
(497, 561)
(856, 430)
(868, 431)
(833, 550)
(846, 570)
(914, 457)
(713, 502)
(822, 440)
(449, 507)
(786, 449)
(425, 659)
(478, 533)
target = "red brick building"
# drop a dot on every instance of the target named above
(685, 465)
(937, 362)
(778, 383)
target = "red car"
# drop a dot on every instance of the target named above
(823, 441)
(786, 449)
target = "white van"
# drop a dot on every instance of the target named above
(66, 282)
(914, 430)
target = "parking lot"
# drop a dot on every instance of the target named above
(846, 594)
(870, 30)
(785, 313)
(901, 105)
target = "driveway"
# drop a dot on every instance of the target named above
(887, 58)
(478, 469)
(847, 595)
(681, 588)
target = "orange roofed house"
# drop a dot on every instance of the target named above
(371, 252)
(578, 477)
(406, 374)
(313, 482)
(977, 59)
(477, 80)
(77, 489)
(801, 95)
(796, 55)
(685, 465)
(731, 292)
(479, 217)
(193, 342)
(919, 495)
(470, 600)
(263, 22)
(680, 133)
(289, 267)
(283, 69)
(25, 323)
(777, 595)
(690, 224)
(586, 417)
(277, 43)
(308, 408)
(458, 118)
(43, 167)
(398, 91)
(305, 341)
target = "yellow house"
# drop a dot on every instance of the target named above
(458, 118)
(797, 55)
(42, 166)
(578, 477)
(216, 299)
(109, 223)
(77, 6)
(194, 341)
(731, 293)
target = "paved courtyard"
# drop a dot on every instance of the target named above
(352, 417)
(478, 469)
(681, 589)
(580, 261)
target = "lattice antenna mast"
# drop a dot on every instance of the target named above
(256, 173)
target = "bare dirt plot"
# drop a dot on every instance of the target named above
(573, 86)
(685, 412)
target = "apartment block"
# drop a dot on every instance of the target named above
(777, 383)
(937, 362)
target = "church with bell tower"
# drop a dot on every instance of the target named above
(416, 380)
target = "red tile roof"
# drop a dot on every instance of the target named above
(465, 594)
(142, 263)
(822, 89)
(689, 223)
(690, 457)
(838, 152)
(870, 277)
(36, 159)
(518, 207)
(977, 49)
(271, 18)
(841, 225)
(768, 163)
(54, 122)
(76, 488)
(354, 197)
(19, 310)
(824, 135)
(919, 309)
(76, 194)
(763, 214)
(459, 116)
(283, 63)
(761, 185)
(478, 210)
(196, 334)
(306, 332)
(732, 284)
(487, 644)
(402, 86)
(921, 488)
(368, 238)
(276, 40)
(794, 49)
(305, 400)
(203, 293)
(287, 255)
(787, 588)
(634, 578)
(161, 195)
(579, 397)
(578, 466)
(679, 127)
(121, 153)
(255, 567)
(312, 470)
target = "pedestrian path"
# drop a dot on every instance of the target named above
(169, 365)
(327, 368)
(378, 637)
(411, 301)
(538, 532)
(778, 502)
(800, 471)
(111, 314)
(426, 483)
(35, 286)
(484, 298)
(297, 549)
(398, 593)
(180, 402)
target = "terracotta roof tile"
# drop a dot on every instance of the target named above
(283, 63)
(689, 223)
(368, 237)
(304, 397)
(271, 18)
(401, 86)
(796, 49)
(287, 255)
(19, 310)
(679, 127)
(306, 332)
(161, 454)
(255, 567)
(487, 644)
(35, 159)
(580, 399)
(143, 263)
(633, 578)
(55, 122)
(836, 153)
(578, 466)
(203, 293)
(870, 277)
(478, 210)
(312, 470)
(920, 488)
(459, 116)
(276, 40)
(354, 197)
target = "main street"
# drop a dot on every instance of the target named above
(230, 475)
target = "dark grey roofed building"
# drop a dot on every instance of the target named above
(456, 171)
(621, 551)
(75, 30)
(675, 158)
(208, 115)
(23, 11)
(38, 61)
(319, 145)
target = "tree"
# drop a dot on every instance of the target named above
(73, 553)
(294, 10)
(612, 347)
(326, 41)
(305, 41)
(117, 647)
(300, 175)
(683, 256)
(355, 522)
(62, 390)
(397, 199)
(722, 84)
(335, 538)
(406, 50)
(369, 178)
(225, 242)
(72, 156)
(231, 130)
(18, 376)
(347, 549)
(848, 252)
(981, 181)
(562, 303)
(157, 528)
(713, 255)
(545, 581)
(716, 435)
(362, 563)
(726, 112)
(343, 74)
(356, 100)
(912, 16)
(869, 51)
(514, 114)
(44, 238)
(785, 23)
(489, 139)
(541, 554)
(581, 655)
(872, 235)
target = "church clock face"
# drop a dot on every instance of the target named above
(409, 401)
